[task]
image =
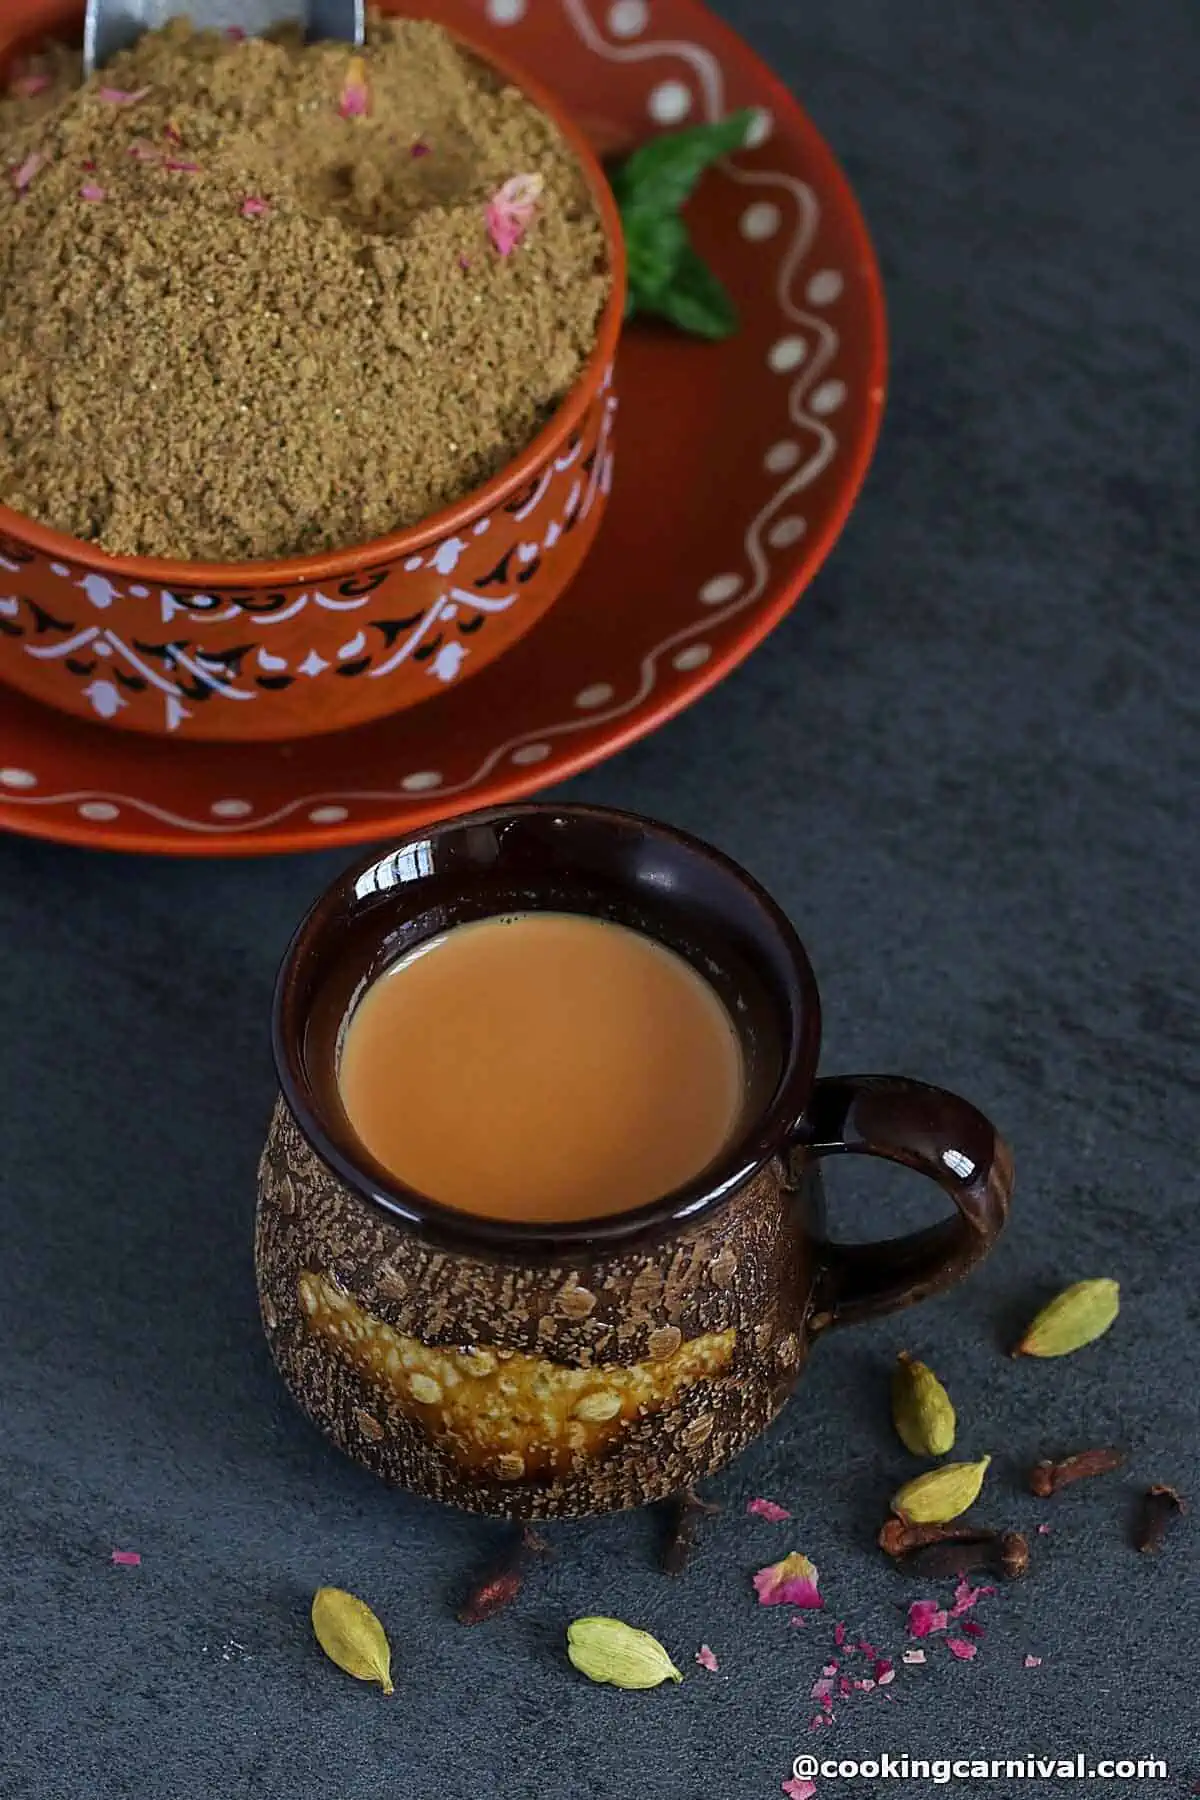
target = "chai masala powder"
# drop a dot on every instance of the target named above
(241, 318)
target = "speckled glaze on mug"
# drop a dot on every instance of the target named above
(307, 645)
(541, 1371)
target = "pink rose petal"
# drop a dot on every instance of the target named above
(966, 1596)
(867, 1649)
(25, 87)
(91, 191)
(914, 1656)
(510, 211)
(122, 96)
(885, 1670)
(845, 1685)
(821, 1689)
(839, 1634)
(863, 1685)
(254, 208)
(1043, 1530)
(963, 1648)
(1033, 1662)
(790, 1582)
(799, 1789)
(926, 1616)
(28, 169)
(797, 1619)
(972, 1629)
(706, 1659)
(181, 168)
(142, 152)
(768, 1509)
(127, 1559)
(420, 148)
(355, 102)
(236, 32)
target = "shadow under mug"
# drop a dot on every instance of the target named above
(537, 1371)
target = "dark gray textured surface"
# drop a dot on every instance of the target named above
(968, 765)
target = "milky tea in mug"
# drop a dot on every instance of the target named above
(542, 1066)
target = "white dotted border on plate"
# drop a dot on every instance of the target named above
(806, 348)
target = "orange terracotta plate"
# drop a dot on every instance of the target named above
(737, 465)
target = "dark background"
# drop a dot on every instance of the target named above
(968, 766)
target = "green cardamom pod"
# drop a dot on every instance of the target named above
(352, 1637)
(940, 1495)
(921, 1408)
(607, 1650)
(1077, 1316)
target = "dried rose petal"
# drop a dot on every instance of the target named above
(25, 87)
(1043, 1531)
(822, 1688)
(963, 1648)
(972, 1629)
(913, 1656)
(768, 1509)
(867, 1649)
(254, 208)
(236, 32)
(799, 1788)
(511, 209)
(92, 191)
(181, 168)
(926, 1616)
(172, 132)
(28, 169)
(127, 1559)
(885, 1670)
(143, 152)
(355, 102)
(421, 148)
(1033, 1662)
(706, 1659)
(966, 1596)
(839, 1634)
(122, 96)
(863, 1685)
(790, 1582)
(845, 1685)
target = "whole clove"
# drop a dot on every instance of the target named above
(1161, 1506)
(1045, 1478)
(686, 1511)
(934, 1551)
(497, 1591)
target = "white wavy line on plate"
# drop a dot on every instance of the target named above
(708, 72)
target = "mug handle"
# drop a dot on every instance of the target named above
(939, 1135)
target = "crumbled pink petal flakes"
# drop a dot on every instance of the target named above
(867, 1649)
(92, 191)
(822, 1688)
(122, 96)
(963, 1648)
(863, 1685)
(23, 176)
(885, 1670)
(510, 211)
(421, 148)
(972, 1629)
(769, 1510)
(1043, 1530)
(255, 208)
(966, 1596)
(914, 1656)
(145, 153)
(236, 32)
(790, 1582)
(830, 1668)
(180, 167)
(355, 102)
(845, 1685)
(706, 1659)
(799, 1788)
(27, 87)
(839, 1634)
(127, 1559)
(1033, 1662)
(926, 1616)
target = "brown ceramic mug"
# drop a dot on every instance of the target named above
(538, 1371)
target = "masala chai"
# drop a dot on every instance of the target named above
(544, 1067)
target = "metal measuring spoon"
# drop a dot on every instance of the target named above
(114, 25)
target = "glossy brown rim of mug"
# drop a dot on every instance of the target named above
(55, 16)
(768, 1134)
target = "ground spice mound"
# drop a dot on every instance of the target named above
(241, 317)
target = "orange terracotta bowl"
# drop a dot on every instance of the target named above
(260, 651)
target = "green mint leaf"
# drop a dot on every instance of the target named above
(662, 175)
(695, 300)
(654, 245)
